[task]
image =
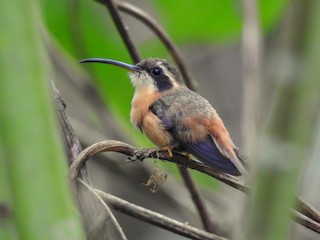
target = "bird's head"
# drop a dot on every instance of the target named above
(154, 73)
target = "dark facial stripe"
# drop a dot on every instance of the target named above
(163, 82)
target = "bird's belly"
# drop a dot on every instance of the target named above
(154, 130)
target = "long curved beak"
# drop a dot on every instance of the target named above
(130, 67)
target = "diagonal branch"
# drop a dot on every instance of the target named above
(306, 221)
(208, 224)
(122, 30)
(90, 208)
(156, 219)
(163, 36)
(106, 214)
(308, 210)
(140, 154)
(309, 221)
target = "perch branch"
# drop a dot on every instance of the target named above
(306, 221)
(155, 218)
(308, 210)
(141, 154)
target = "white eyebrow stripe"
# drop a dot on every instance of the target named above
(171, 77)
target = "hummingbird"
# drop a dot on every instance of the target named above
(176, 118)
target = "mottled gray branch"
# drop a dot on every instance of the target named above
(156, 219)
(306, 221)
(141, 154)
(110, 4)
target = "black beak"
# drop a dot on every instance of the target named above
(132, 68)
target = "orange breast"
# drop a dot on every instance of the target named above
(143, 118)
(155, 131)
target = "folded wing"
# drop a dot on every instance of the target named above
(207, 152)
(214, 148)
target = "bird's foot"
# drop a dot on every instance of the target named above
(188, 155)
(139, 154)
(167, 148)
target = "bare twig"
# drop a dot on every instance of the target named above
(140, 154)
(73, 11)
(306, 221)
(208, 224)
(100, 222)
(71, 142)
(308, 210)
(251, 51)
(122, 30)
(90, 208)
(156, 218)
(164, 37)
(302, 206)
(126, 207)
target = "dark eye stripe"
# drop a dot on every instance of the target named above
(162, 81)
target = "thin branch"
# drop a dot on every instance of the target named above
(72, 144)
(306, 221)
(308, 210)
(100, 222)
(156, 219)
(140, 154)
(122, 30)
(76, 30)
(89, 208)
(251, 51)
(208, 224)
(164, 37)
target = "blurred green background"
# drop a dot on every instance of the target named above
(209, 34)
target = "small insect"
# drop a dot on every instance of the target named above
(176, 118)
(156, 179)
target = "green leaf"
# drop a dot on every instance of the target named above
(35, 183)
(212, 20)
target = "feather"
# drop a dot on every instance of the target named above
(207, 152)
(197, 128)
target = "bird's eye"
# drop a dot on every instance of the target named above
(156, 71)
